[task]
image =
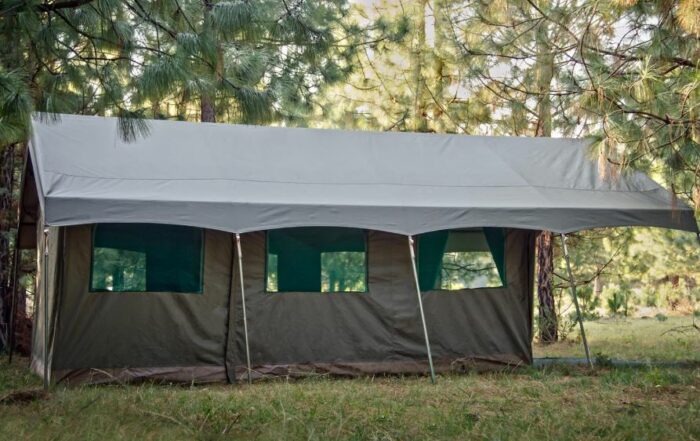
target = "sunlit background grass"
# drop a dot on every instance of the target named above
(647, 339)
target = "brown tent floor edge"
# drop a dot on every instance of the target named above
(217, 374)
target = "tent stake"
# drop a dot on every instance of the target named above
(420, 307)
(45, 276)
(572, 284)
(245, 318)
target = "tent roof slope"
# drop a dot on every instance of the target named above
(246, 178)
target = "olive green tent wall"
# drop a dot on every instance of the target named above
(380, 331)
(177, 336)
(199, 337)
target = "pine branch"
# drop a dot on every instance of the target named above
(677, 61)
(68, 4)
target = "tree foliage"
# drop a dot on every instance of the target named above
(257, 61)
(231, 61)
(623, 74)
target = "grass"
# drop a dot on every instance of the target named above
(632, 339)
(554, 403)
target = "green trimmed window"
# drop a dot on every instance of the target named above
(462, 259)
(316, 260)
(146, 258)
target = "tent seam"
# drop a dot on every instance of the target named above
(393, 184)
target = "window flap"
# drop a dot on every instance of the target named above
(496, 238)
(462, 259)
(431, 247)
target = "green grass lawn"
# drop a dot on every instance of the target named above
(632, 339)
(549, 403)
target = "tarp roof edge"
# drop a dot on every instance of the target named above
(91, 208)
(685, 222)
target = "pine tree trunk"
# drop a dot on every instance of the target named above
(420, 121)
(597, 286)
(208, 113)
(207, 102)
(547, 325)
(548, 322)
(440, 27)
(13, 56)
(23, 324)
(6, 223)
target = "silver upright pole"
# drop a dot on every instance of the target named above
(245, 318)
(420, 307)
(572, 284)
(45, 276)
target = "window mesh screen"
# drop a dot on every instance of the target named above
(462, 259)
(316, 260)
(146, 257)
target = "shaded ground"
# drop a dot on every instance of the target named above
(549, 403)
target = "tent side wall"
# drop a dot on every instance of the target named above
(184, 337)
(380, 331)
(105, 336)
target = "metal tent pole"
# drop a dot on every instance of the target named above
(230, 368)
(245, 318)
(45, 276)
(420, 307)
(572, 284)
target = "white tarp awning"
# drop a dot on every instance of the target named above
(246, 178)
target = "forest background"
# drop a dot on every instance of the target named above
(624, 74)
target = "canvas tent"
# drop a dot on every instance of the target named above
(154, 246)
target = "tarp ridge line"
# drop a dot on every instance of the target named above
(324, 130)
(262, 181)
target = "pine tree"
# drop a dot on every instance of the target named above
(230, 61)
(243, 61)
(544, 74)
(519, 69)
(412, 81)
(623, 72)
(641, 86)
(63, 58)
